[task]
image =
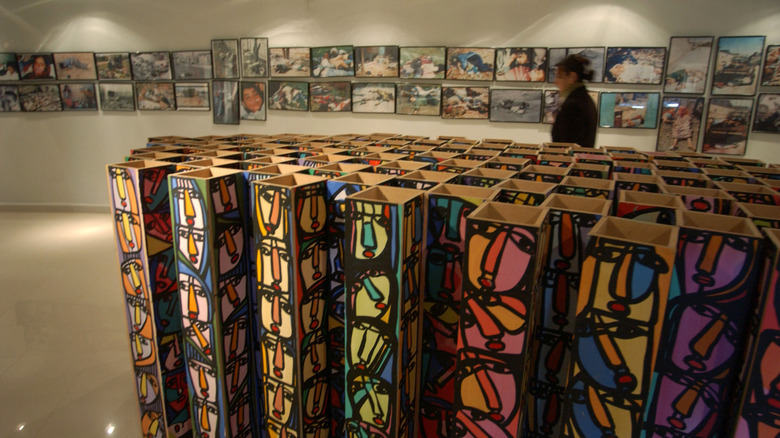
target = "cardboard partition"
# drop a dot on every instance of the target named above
(507, 163)
(702, 200)
(323, 160)
(479, 154)
(401, 167)
(751, 193)
(675, 165)
(424, 179)
(587, 187)
(632, 157)
(485, 177)
(656, 208)
(762, 215)
(524, 192)
(456, 165)
(762, 172)
(633, 167)
(730, 175)
(547, 159)
(687, 179)
(541, 173)
(524, 152)
(434, 157)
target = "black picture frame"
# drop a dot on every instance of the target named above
(770, 73)
(192, 65)
(737, 66)
(373, 97)
(78, 96)
(9, 99)
(376, 62)
(254, 57)
(36, 66)
(224, 96)
(155, 96)
(726, 125)
(253, 98)
(288, 95)
(40, 97)
(634, 65)
(632, 110)
(290, 62)
(113, 66)
(422, 62)
(470, 63)
(418, 99)
(151, 66)
(514, 105)
(688, 64)
(594, 54)
(332, 61)
(224, 58)
(464, 102)
(767, 115)
(75, 66)
(9, 67)
(681, 122)
(116, 96)
(521, 64)
(192, 96)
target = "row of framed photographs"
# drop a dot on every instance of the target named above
(738, 68)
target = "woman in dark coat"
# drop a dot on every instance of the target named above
(577, 119)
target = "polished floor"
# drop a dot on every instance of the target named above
(65, 365)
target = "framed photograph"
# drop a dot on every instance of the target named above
(151, 66)
(593, 54)
(635, 65)
(116, 97)
(737, 65)
(465, 102)
(518, 106)
(9, 68)
(629, 110)
(688, 64)
(767, 118)
(330, 96)
(253, 100)
(254, 57)
(471, 64)
(422, 62)
(332, 61)
(224, 57)
(113, 66)
(770, 75)
(224, 95)
(192, 97)
(370, 97)
(155, 96)
(193, 64)
(726, 126)
(78, 97)
(75, 66)
(288, 96)
(418, 99)
(290, 62)
(552, 104)
(40, 98)
(38, 66)
(376, 62)
(680, 124)
(9, 98)
(522, 64)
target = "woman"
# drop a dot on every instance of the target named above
(577, 119)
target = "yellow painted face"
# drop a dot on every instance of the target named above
(371, 230)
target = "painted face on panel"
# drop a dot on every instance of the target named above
(278, 360)
(413, 222)
(239, 417)
(233, 294)
(171, 353)
(310, 209)
(505, 257)
(134, 282)
(158, 225)
(482, 391)
(190, 217)
(234, 337)
(128, 227)
(313, 309)
(279, 400)
(360, 429)
(205, 419)
(445, 255)
(176, 390)
(372, 295)
(168, 314)
(163, 268)
(708, 343)
(320, 429)
(223, 194)
(684, 406)
(148, 387)
(314, 351)
(313, 262)
(276, 313)
(315, 395)
(204, 379)
(231, 247)
(714, 263)
(199, 333)
(142, 344)
(273, 266)
(195, 300)
(372, 229)
(155, 188)
(123, 191)
(372, 399)
(236, 377)
(370, 349)
(151, 425)
(276, 430)
(271, 206)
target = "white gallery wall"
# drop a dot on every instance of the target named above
(58, 159)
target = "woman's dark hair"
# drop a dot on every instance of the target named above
(577, 64)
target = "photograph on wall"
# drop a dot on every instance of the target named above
(224, 58)
(552, 104)
(593, 54)
(155, 96)
(629, 110)
(465, 102)
(522, 64)
(726, 126)
(254, 57)
(422, 62)
(36, 66)
(770, 75)
(767, 118)
(151, 66)
(9, 99)
(290, 62)
(40, 98)
(688, 64)
(376, 62)
(113, 66)
(116, 97)
(517, 106)
(332, 61)
(370, 97)
(680, 123)
(288, 96)
(78, 97)
(192, 97)
(470, 64)
(252, 101)
(330, 96)
(737, 65)
(634, 65)
(224, 97)
(9, 68)
(191, 64)
(418, 99)
(75, 66)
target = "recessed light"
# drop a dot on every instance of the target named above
(110, 429)
(20, 426)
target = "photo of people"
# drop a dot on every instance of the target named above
(9, 98)
(193, 64)
(767, 113)
(422, 62)
(78, 97)
(634, 65)
(688, 64)
(224, 58)
(117, 97)
(629, 110)
(376, 62)
(254, 57)
(737, 65)
(252, 101)
(153, 96)
(552, 104)
(330, 96)
(521, 64)
(290, 62)
(151, 66)
(289, 96)
(373, 98)
(471, 64)
(771, 71)
(680, 123)
(9, 69)
(193, 97)
(332, 61)
(519, 106)
(224, 95)
(465, 102)
(726, 126)
(418, 99)
(75, 65)
(113, 66)
(593, 54)
(36, 66)
(40, 98)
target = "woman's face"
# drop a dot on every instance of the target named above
(252, 99)
(563, 79)
(39, 66)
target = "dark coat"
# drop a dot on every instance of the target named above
(576, 122)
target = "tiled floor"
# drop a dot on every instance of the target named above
(65, 365)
